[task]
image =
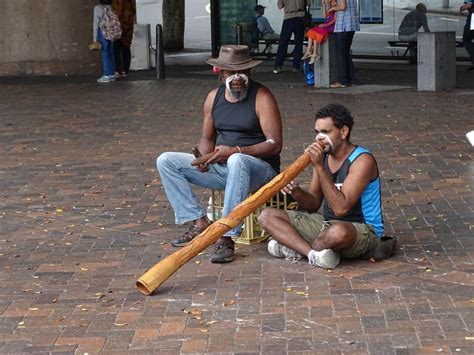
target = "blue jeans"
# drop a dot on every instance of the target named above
(292, 25)
(241, 175)
(345, 67)
(107, 51)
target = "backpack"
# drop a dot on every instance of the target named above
(110, 25)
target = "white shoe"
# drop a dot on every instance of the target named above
(325, 258)
(104, 79)
(276, 70)
(281, 251)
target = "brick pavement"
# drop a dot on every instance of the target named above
(83, 215)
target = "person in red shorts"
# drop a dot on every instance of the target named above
(318, 34)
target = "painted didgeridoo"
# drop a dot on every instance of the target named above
(160, 272)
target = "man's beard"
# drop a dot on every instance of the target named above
(241, 94)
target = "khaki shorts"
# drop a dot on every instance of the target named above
(309, 225)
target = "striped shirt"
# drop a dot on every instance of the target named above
(347, 20)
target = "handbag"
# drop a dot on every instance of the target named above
(307, 18)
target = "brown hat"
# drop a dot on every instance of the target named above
(234, 57)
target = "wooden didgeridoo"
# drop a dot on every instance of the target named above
(161, 271)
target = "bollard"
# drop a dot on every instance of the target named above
(159, 55)
(238, 34)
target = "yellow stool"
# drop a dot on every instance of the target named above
(252, 232)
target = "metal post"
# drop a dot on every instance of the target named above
(238, 34)
(215, 30)
(160, 57)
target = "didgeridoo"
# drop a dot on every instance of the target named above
(161, 271)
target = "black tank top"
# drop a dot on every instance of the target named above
(237, 123)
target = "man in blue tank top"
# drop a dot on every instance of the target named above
(243, 131)
(346, 183)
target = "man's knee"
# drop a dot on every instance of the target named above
(163, 159)
(269, 215)
(337, 235)
(236, 161)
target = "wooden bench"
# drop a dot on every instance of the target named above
(252, 232)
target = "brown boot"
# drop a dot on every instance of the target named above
(185, 238)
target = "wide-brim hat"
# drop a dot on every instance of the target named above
(234, 57)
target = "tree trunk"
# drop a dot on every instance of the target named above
(173, 24)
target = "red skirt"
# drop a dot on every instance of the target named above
(318, 34)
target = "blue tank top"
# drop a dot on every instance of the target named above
(368, 208)
(237, 123)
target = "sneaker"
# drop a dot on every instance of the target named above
(325, 258)
(282, 251)
(112, 77)
(103, 79)
(185, 238)
(276, 70)
(223, 251)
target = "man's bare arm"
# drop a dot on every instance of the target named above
(206, 144)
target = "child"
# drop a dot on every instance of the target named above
(318, 34)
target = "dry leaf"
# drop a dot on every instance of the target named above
(197, 262)
(412, 218)
(201, 293)
(120, 324)
(196, 312)
(21, 323)
(204, 330)
(211, 322)
(288, 289)
(83, 269)
(33, 308)
(230, 303)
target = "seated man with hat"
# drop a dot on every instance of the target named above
(242, 128)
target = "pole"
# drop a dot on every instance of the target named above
(238, 34)
(215, 29)
(160, 57)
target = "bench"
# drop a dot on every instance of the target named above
(252, 232)
(411, 45)
(269, 42)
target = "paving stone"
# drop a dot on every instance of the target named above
(83, 214)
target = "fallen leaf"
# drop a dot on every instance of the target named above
(120, 324)
(469, 338)
(83, 269)
(204, 330)
(211, 322)
(33, 308)
(301, 293)
(428, 269)
(197, 262)
(412, 219)
(196, 312)
(230, 303)
(201, 293)
(21, 323)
